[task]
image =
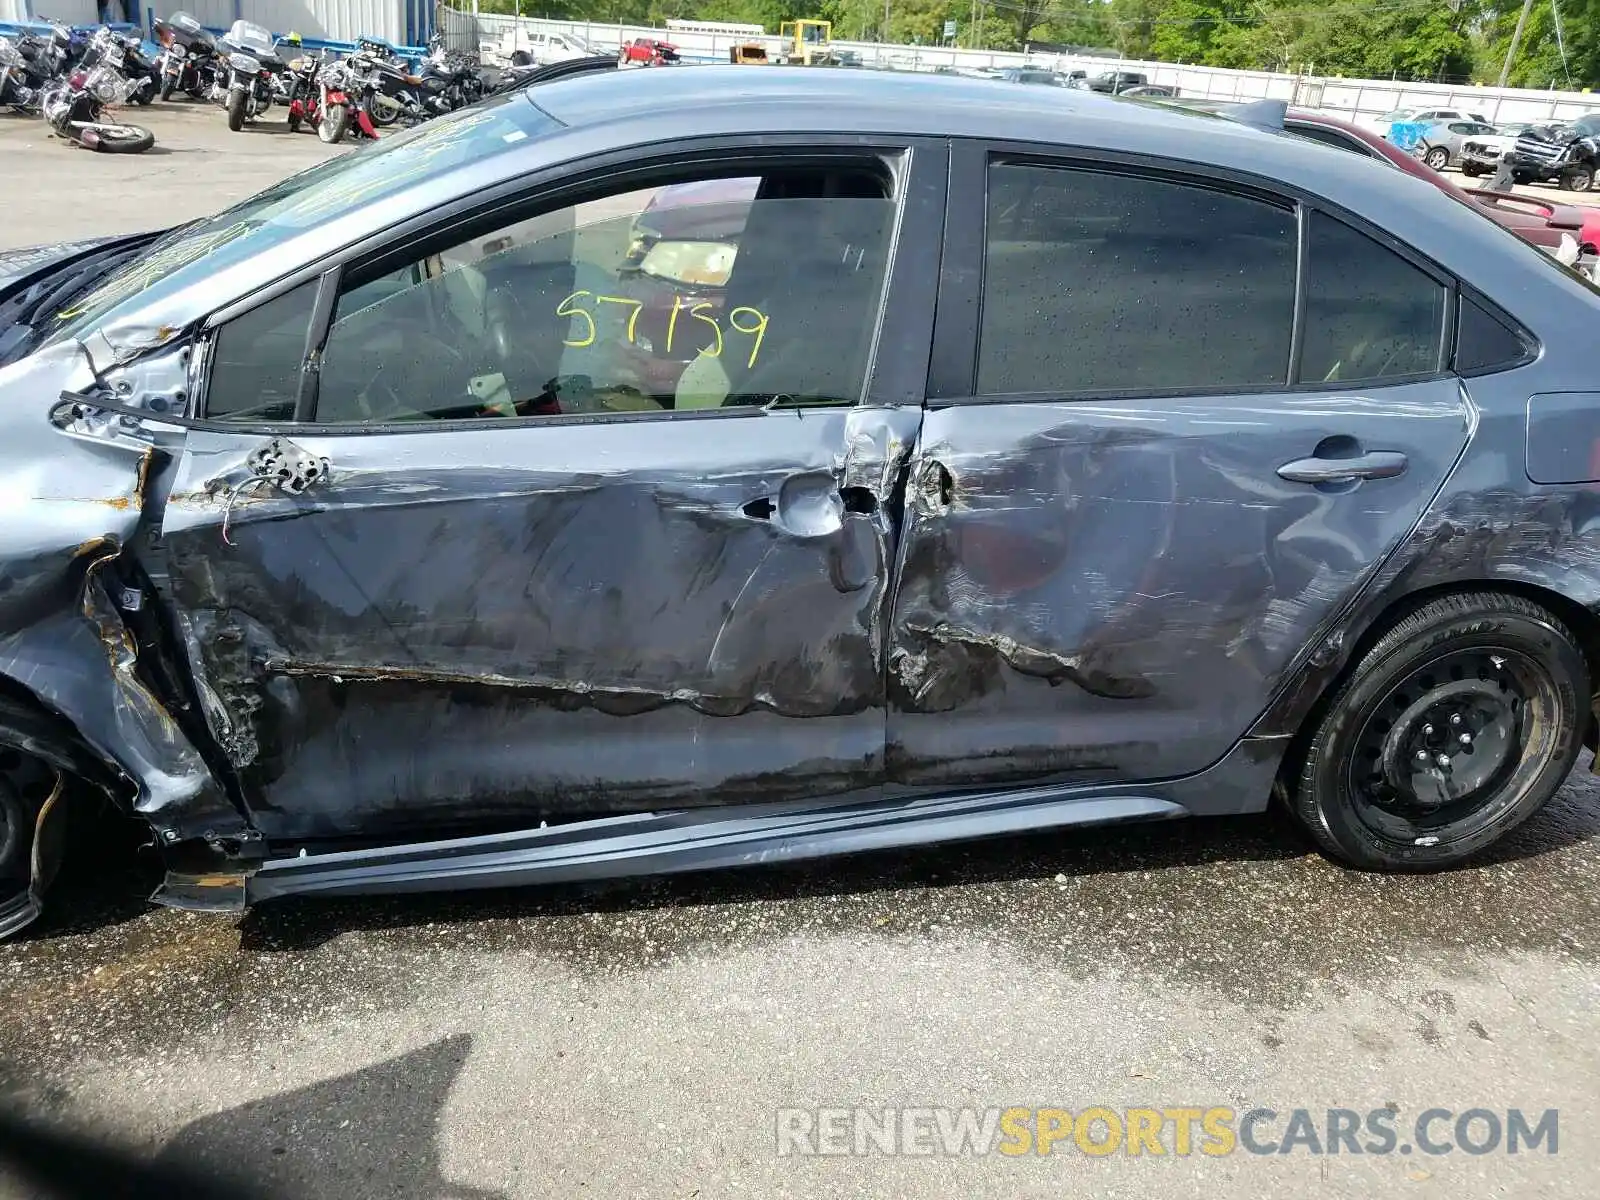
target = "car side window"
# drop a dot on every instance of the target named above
(256, 358)
(1336, 138)
(1097, 282)
(701, 293)
(1370, 313)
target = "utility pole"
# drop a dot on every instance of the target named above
(1511, 50)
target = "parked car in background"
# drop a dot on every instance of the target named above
(1538, 222)
(1480, 154)
(1033, 75)
(345, 549)
(1565, 153)
(647, 52)
(1440, 143)
(1413, 116)
(1112, 82)
(1153, 90)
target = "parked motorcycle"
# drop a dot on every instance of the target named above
(253, 63)
(335, 107)
(15, 90)
(188, 61)
(122, 57)
(28, 62)
(75, 108)
(303, 95)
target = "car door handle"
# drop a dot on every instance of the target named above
(1377, 464)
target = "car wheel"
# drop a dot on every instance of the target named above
(1454, 728)
(1577, 178)
(1438, 158)
(15, 837)
(1472, 172)
(1521, 177)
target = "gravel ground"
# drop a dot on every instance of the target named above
(640, 1039)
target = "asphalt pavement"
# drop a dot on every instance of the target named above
(709, 1035)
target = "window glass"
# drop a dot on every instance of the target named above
(1485, 343)
(1370, 314)
(256, 357)
(325, 192)
(1101, 282)
(1329, 137)
(694, 295)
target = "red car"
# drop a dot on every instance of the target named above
(648, 51)
(1536, 221)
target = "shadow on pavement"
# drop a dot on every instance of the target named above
(370, 1132)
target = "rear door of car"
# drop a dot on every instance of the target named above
(443, 563)
(1176, 421)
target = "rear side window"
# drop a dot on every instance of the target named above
(1485, 343)
(1099, 282)
(1370, 314)
(1329, 137)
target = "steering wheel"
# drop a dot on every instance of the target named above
(379, 400)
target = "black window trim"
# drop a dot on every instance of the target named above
(917, 166)
(952, 378)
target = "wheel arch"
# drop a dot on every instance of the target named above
(30, 726)
(1583, 622)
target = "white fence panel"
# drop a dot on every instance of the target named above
(1351, 98)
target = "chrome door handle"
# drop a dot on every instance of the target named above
(1378, 464)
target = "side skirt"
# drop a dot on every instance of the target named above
(693, 840)
(744, 835)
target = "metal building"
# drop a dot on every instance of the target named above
(403, 22)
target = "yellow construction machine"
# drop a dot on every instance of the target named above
(808, 43)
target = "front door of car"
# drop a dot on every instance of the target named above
(592, 512)
(1124, 523)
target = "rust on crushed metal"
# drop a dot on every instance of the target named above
(215, 880)
(93, 545)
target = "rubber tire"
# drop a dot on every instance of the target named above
(334, 122)
(146, 96)
(16, 834)
(93, 139)
(1521, 177)
(1471, 171)
(166, 88)
(381, 116)
(1318, 798)
(294, 123)
(1438, 158)
(235, 106)
(1577, 179)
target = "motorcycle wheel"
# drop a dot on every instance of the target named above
(166, 88)
(236, 102)
(335, 119)
(294, 121)
(116, 139)
(381, 115)
(145, 95)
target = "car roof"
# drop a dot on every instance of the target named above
(615, 112)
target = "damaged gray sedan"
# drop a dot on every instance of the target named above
(660, 476)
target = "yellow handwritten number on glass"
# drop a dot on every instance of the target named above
(757, 330)
(694, 311)
(563, 310)
(633, 317)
